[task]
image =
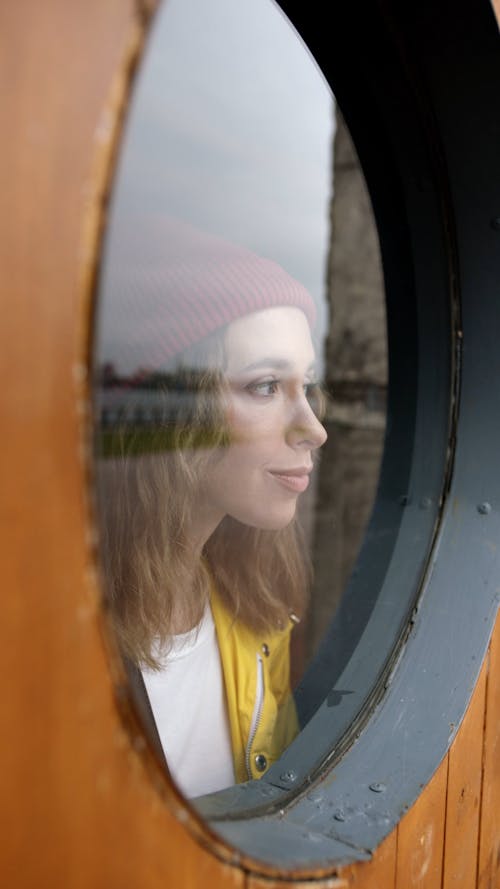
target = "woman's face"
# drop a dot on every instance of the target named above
(273, 430)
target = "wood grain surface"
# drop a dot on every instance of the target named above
(421, 837)
(380, 872)
(464, 794)
(489, 838)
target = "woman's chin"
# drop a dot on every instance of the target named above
(276, 521)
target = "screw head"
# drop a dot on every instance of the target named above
(288, 777)
(378, 787)
(484, 508)
(339, 816)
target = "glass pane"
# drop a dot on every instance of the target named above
(240, 322)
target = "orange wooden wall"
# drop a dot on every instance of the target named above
(83, 804)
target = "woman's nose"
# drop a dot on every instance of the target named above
(304, 428)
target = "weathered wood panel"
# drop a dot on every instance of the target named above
(489, 843)
(421, 837)
(463, 795)
(380, 872)
(256, 882)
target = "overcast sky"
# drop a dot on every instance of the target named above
(231, 130)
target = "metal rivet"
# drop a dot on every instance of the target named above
(378, 787)
(495, 223)
(265, 649)
(425, 503)
(288, 777)
(260, 762)
(339, 816)
(484, 508)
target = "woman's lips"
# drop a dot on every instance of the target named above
(295, 480)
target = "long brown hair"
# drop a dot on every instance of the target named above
(148, 480)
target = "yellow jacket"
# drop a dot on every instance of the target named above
(256, 670)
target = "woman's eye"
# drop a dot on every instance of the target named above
(311, 390)
(316, 398)
(264, 388)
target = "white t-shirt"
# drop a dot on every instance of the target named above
(188, 701)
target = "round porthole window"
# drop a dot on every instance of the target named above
(275, 418)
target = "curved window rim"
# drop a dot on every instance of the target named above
(343, 809)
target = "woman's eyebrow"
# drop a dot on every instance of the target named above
(270, 361)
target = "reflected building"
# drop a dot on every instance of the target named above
(356, 381)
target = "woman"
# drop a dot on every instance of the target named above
(205, 568)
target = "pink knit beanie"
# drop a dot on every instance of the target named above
(176, 285)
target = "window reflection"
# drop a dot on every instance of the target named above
(213, 347)
(201, 472)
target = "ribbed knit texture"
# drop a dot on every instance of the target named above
(176, 285)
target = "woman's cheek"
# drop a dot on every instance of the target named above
(253, 421)
(243, 422)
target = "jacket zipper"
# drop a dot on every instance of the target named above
(257, 712)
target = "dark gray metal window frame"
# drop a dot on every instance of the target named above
(418, 85)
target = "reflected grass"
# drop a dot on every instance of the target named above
(136, 441)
